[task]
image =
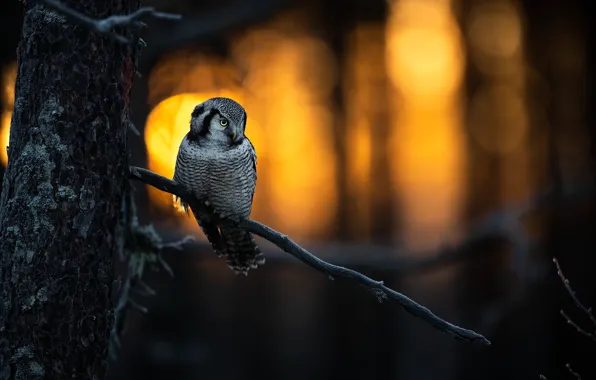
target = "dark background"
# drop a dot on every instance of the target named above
(517, 208)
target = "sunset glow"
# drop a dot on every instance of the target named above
(425, 64)
(290, 123)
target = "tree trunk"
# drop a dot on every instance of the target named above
(61, 197)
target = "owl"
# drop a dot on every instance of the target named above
(218, 163)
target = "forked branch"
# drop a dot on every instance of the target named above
(106, 26)
(282, 241)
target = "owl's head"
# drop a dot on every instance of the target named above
(220, 120)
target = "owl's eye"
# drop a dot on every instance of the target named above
(223, 122)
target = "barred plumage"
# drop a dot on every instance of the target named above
(218, 162)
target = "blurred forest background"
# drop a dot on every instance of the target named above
(444, 146)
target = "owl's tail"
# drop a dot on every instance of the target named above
(242, 252)
(213, 235)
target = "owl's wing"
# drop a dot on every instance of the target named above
(242, 252)
(253, 159)
(178, 177)
(209, 228)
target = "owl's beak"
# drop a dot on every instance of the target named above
(236, 138)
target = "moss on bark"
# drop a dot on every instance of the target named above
(60, 207)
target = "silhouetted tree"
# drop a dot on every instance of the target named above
(60, 210)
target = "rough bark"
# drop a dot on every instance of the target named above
(61, 196)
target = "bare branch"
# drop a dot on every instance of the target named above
(119, 318)
(377, 287)
(105, 26)
(586, 310)
(332, 271)
(205, 26)
(576, 326)
(179, 245)
(572, 372)
(141, 247)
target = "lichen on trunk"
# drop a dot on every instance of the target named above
(61, 196)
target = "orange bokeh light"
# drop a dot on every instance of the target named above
(425, 63)
(290, 79)
(365, 115)
(9, 76)
(497, 49)
(286, 94)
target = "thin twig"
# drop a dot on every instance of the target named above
(120, 313)
(332, 271)
(586, 310)
(572, 372)
(576, 326)
(106, 26)
(179, 245)
(131, 127)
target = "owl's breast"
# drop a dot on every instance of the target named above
(226, 177)
(231, 182)
(192, 169)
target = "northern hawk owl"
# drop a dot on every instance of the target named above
(218, 163)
